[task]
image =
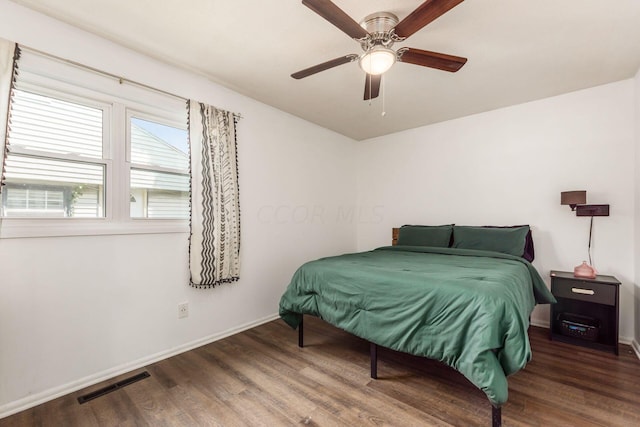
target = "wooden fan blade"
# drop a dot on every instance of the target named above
(324, 66)
(372, 86)
(429, 59)
(428, 11)
(332, 13)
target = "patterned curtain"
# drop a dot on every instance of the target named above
(214, 245)
(9, 54)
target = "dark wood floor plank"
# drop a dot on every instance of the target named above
(290, 393)
(114, 409)
(205, 409)
(581, 399)
(362, 405)
(420, 395)
(260, 377)
(270, 386)
(199, 387)
(198, 406)
(155, 405)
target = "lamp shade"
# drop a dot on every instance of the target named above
(573, 198)
(377, 60)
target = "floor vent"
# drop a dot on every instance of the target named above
(113, 387)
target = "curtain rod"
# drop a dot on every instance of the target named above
(120, 79)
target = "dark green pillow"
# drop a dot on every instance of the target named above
(507, 240)
(425, 235)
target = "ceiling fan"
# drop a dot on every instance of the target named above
(376, 34)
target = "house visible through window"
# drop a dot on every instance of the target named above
(55, 167)
(159, 170)
(83, 146)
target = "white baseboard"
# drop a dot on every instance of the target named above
(55, 392)
(636, 348)
(540, 323)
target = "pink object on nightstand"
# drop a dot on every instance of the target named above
(585, 270)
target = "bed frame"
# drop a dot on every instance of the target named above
(496, 411)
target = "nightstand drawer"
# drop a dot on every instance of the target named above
(584, 290)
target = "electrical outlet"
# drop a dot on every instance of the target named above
(183, 310)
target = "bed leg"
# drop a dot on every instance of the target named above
(496, 416)
(301, 332)
(373, 350)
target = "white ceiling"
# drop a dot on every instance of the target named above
(517, 50)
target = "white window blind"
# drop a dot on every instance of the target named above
(53, 125)
(48, 139)
(22, 169)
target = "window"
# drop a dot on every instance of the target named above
(93, 156)
(159, 179)
(55, 167)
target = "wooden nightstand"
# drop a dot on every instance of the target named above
(586, 313)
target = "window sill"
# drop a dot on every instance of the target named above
(11, 228)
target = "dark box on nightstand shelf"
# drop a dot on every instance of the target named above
(578, 326)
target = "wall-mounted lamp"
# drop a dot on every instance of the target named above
(577, 201)
(573, 198)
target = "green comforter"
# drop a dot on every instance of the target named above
(469, 309)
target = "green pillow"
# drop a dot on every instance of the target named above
(507, 240)
(425, 235)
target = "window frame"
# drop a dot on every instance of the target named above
(54, 78)
(105, 161)
(144, 115)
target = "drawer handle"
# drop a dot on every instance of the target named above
(582, 291)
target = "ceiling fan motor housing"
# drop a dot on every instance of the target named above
(378, 56)
(379, 22)
(379, 26)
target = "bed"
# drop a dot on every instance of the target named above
(461, 295)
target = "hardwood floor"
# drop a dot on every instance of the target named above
(261, 378)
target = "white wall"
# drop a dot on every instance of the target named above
(508, 167)
(75, 310)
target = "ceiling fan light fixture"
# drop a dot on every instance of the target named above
(377, 60)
